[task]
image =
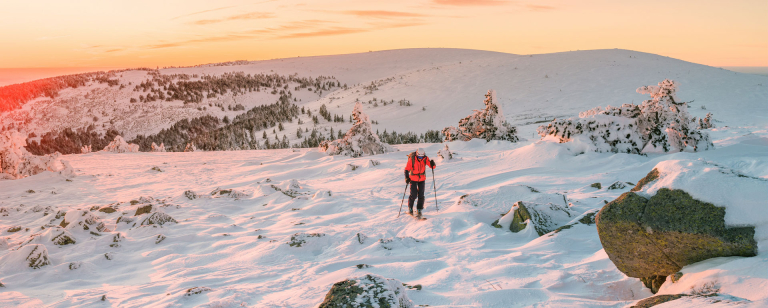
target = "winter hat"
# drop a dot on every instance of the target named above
(420, 152)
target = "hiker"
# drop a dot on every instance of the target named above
(415, 174)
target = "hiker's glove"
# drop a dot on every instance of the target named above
(432, 162)
(407, 181)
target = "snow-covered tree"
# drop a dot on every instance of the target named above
(190, 147)
(86, 149)
(156, 148)
(660, 124)
(16, 162)
(119, 145)
(706, 122)
(445, 154)
(488, 124)
(360, 140)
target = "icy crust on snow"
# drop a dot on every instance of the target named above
(360, 140)
(119, 145)
(16, 162)
(661, 124)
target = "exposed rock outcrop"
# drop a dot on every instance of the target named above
(544, 217)
(653, 238)
(367, 291)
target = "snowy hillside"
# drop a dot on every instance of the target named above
(280, 228)
(443, 86)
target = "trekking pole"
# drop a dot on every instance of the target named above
(401, 201)
(434, 188)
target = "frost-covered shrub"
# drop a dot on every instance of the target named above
(360, 140)
(156, 148)
(16, 162)
(190, 147)
(119, 145)
(661, 124)
(488, 124)
(86, 149)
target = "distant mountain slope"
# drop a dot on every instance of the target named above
(443, 85)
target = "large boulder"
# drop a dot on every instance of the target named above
(367, 291)
(651, 238)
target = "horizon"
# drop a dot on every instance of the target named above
(17, 75)
(142, 34)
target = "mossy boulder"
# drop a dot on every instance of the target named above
(654, 238)
(367, 291)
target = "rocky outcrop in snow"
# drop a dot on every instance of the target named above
(488, 124)
(651, 238)
(544, 217)
(119, 145)
(661, 124)
(360, 140)
(367, 290)
(16, 162)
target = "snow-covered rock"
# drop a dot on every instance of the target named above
(119, 145)
(661, 124)
(82, 220)
(488, 124)
(365, 291)
(33, 255)
(16, 162)
(544, 217)
(360, 140)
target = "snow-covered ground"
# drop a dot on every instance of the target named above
(240, 247)
(295, 223)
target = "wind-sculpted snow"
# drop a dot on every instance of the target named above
(302, 222)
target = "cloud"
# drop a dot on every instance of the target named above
(202, 12)
(382, 14)
(297, 29)
(246, 16)
(324, 32)
(470, 2)
(539, 8)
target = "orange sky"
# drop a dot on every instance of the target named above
(98, 33)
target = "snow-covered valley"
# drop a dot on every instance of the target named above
(278, 228)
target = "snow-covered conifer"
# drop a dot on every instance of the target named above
(661, 124)
(360, 140)
(86, 149)
(119, 145)
(190, 147)
(706, 122)
(445, 154)
(16, 162)
(488, 124)
(156, 148)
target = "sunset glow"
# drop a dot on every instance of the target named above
(180, 33)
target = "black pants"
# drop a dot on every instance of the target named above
(417, 191)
